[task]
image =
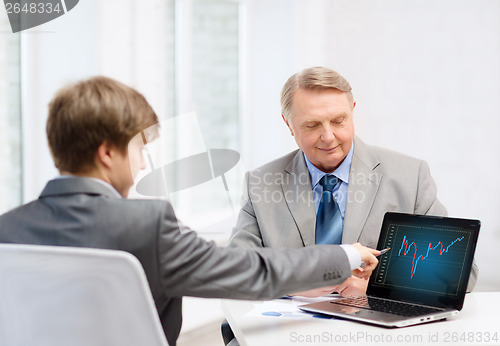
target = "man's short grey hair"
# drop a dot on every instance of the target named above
(312, 78)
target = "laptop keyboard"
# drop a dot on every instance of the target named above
(384, 305)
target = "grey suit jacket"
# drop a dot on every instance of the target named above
(278, 205)
(84, 213)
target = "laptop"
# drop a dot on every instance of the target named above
(422, 278)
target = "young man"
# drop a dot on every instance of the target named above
(95, 130)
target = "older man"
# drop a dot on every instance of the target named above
(284, 199)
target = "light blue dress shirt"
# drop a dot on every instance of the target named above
(340, 190)
(339, 194)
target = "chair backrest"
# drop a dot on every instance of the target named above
(62, 296)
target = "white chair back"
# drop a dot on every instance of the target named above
(60, 296)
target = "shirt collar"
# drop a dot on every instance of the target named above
(342, 171)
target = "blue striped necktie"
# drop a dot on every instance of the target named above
(329, 222)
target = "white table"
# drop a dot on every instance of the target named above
(477, 324)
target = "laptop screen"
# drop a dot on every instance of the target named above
(429, 260)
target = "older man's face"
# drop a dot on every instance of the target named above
(322, 125)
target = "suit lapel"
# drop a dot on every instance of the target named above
(364, 182)
(299, 197)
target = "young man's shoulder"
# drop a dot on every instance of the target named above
(142, 207)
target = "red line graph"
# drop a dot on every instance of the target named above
(415, 259)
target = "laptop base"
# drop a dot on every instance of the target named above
(373, 317)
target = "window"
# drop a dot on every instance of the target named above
(10, 118)
(196, 162)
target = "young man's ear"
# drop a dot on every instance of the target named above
(104, 154)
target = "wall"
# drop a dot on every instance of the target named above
(10, 107)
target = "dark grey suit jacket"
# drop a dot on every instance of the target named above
(84, 213)
(278, 209)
